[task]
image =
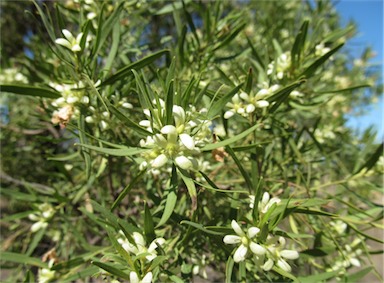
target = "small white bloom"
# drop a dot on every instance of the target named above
(183, 162)
(246, 241)
(70, 41)
(159, 161)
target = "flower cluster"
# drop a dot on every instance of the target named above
(178, 143)
(139, 247)
(41, 217)
(247, 241)
(70, 95)
(280, 66)
(276, 254)
(349, 257)
(245, 104)
(12, 75)
(266, 255)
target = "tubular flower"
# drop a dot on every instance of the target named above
(139, 246)
(276, 255)
(246, 240)
(70, 41)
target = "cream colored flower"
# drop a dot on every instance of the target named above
(246, 240)
(70, 41)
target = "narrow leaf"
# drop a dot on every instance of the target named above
(29, 90)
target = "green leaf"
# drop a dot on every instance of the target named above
(372, 159)
(230, 37)
(83, 139)
(230, 140)
(229, 269)
(357, 276)
(171, 7)
(105, 27)
(282, 95)
(114, 48)
(201, 227)
(85, 273)
(35, 241)
(285, 273)
(149, 230)
(313, 67)
(318, 277)
(29, 90)
(131, 124)
(248, 85)
(64, 157)
(171, 199)
(299, 44)
(243, 172)
(113, 219)
(22, 259)
(255, 53)
(218, 106)
(111, 269)
(119, 248)
(344, 89)
(128, 151)
(188, 181)
(126, 72)
(127, 189)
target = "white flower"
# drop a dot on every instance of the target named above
(321, 50)
(46, 275)
(134, 278)
(267, 202)
(139, 246)
(246, 241)
(44, 214)
(70, 41)
(276, 255)
(281, 65)
(339, 226)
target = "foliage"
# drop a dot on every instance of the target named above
(162, 141)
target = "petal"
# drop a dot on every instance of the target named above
(133, 278)
(147, 278)
(78, 37)
(228, 114)
(139, 239)
(76, 48)
(355, 262)
(250, 108)
(232, 239)
(169, 129)
(244, 96)
(289, 254)
(284, 265)
(253, 231)
(159, 161)
(240, 253)
(63, 42)
(155, 243)
(187, 140)
(268, 265)
(262, 103)
(257, 249)
(237, 228)
(160, 140)
(68, 35)
(183, 162)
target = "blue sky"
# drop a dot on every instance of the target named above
(368, 15)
